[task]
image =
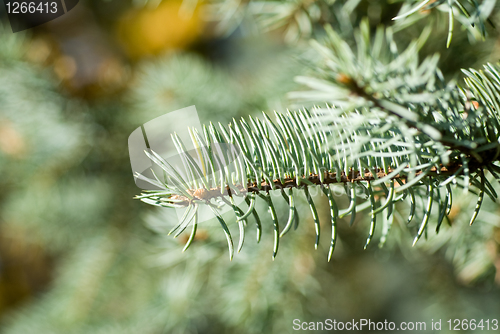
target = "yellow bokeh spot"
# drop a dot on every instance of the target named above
(150, 31)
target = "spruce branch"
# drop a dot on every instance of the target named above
(472, 15)
(300, 19)
(184, 193)
(393, 128)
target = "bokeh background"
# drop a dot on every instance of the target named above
(79, 255)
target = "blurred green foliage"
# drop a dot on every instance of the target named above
(78, 255)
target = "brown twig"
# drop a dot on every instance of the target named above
(329, 178)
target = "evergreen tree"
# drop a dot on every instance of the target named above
(381, 139)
